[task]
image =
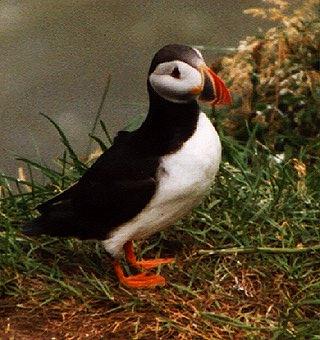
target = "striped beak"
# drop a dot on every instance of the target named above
(213, 90)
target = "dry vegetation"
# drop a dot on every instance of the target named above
(276, 79)
(247, 258)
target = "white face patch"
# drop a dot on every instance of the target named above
(175, 80)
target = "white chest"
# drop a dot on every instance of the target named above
(190, 171)
(183, 179)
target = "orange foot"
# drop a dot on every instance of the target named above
(143, 264)
(142, 280)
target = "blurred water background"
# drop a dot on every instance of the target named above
(56, 57)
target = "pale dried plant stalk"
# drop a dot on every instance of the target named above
(276, 13)
(282, 4)
(256, 12)
(94, 155)
(22, 177)
(301, 170)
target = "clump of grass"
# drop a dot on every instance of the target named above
(275, 78)
(222, 285)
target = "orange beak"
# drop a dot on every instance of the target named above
(213, 90)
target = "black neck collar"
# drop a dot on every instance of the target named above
(168, 125)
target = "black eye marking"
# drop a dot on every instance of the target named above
(175, 73)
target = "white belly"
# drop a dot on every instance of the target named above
(183, 179)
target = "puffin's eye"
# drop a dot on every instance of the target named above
(175, 73)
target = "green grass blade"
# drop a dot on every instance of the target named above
(80, 166)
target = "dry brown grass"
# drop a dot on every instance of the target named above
(242, 300)
(276, 76)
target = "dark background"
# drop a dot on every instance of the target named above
(55, 57)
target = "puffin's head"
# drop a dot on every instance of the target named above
(179, 74)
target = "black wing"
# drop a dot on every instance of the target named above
(115, 189)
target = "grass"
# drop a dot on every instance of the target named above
(247, 259)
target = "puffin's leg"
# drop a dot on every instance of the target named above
(143, 264)
(142, 280)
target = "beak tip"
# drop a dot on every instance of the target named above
(222, 93)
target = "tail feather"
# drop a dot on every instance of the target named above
(54, 222)
(33, 228)
(30, 230)
(64, 219)
(61, 223)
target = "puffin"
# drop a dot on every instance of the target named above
(151, 177)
